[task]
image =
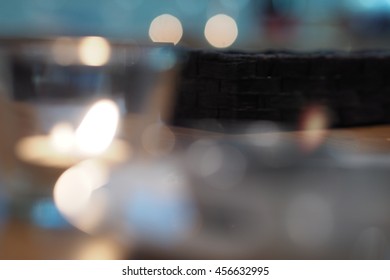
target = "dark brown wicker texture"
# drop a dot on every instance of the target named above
(277, 86)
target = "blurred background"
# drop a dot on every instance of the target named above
(91, 168)
(248, 24)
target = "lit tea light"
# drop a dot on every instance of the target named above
(64, 147)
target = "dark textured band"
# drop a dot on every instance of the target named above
(277, 86)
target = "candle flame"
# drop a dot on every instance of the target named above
(98, 128)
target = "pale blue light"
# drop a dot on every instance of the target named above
(45, 214)
(160, 219)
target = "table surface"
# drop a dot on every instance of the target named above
(22, 240)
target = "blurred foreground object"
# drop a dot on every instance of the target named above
(59, 78)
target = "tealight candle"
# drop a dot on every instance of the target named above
(64, 147)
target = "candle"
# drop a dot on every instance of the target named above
(64, 147)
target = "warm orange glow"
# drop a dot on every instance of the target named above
(94, 51)
(221, 31)
(100, 249)
(166, 29)
(314, 124)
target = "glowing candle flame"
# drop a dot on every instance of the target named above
(98, 128)
(64, 147)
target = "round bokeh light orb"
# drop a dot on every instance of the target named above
(166, 29)
(221, 31)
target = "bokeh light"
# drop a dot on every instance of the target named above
(72, 192)
(64, 51)
(166, 29)
(221, 166)
(201, 161)
(77, 197)
(99, 249)
(154, 202)
(314, 124)
(221, 31)
(96, 167)
(94, 51)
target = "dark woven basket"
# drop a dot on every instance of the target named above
(277, 86)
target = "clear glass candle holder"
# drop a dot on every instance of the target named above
(71, 100)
